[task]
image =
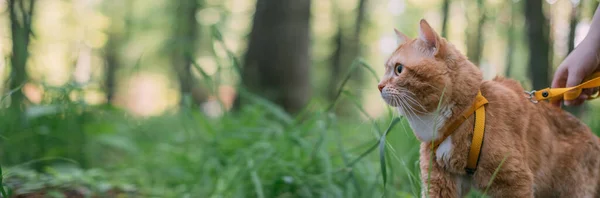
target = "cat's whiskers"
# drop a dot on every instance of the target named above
(410, 97)
(409, 108)
(402, 107)
(417, 103)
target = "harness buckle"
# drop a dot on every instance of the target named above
(531, 96)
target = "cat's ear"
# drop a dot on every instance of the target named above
(400, 37)
(429, 36)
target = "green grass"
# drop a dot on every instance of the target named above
(259, 151)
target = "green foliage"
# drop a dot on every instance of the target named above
(62, 180)
(260, 151)
(252, 153)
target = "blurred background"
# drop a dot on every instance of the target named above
(240, 98)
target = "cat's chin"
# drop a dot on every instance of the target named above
(389, 99)
(391, 103)
(400, 111)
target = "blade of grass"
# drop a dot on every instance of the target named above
(257, 184)
(360, 108)
(41, 160)
(216, 33)
(138, 64)
(273, 108)
(435, 124)
(494, 175)
(382, 152)
(368, 67)
(349, 166)
(260, 162)
(390, 166)
(197, 66)
(342, 150)
(2, 190)
(394, 121)
(11, 92)
(341, 88)
(212, 83)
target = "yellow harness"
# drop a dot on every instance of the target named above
(478, 108)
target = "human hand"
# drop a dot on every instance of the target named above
(579, 64)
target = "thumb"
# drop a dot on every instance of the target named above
(560, 78)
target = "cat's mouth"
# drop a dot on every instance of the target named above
(391, 96)
(404, 100)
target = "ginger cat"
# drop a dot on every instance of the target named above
(547, 152)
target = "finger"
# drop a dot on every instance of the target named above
(556, 103)
(587, 92)
(574, 78)
(577, 101)
(590, 92)
(560, 77)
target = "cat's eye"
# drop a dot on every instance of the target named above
(399, 68)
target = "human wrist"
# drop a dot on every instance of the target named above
(592, 40)
(593, 36)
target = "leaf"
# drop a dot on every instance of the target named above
(41, 110)
(368, 67)
(2, 190)
(257, 184)
(382, 151)
(268, 105)
(11, 92)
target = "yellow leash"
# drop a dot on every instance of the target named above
(568, 93)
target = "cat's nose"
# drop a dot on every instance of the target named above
(381, 86)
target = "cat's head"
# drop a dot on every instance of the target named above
(424, 68)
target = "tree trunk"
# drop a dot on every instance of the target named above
(346, 51)
(537, 34)
(20, 13)
(184, 44)
(111, 62)
(445, 12)
(360, 17)
(336, 65)
(475, 46)
(594, 6)
(277, 60)
(511, 38)
(20, 16)
(575, 12)
(112, 58)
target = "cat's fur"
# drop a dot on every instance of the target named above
(547, 151)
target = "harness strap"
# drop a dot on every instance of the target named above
(477, 141)
(478, 108)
